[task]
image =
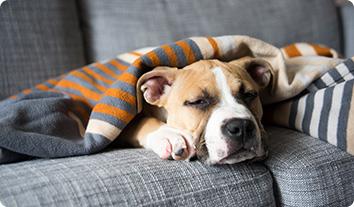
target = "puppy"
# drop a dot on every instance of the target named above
(209, 109)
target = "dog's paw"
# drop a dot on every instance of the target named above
(170, 143)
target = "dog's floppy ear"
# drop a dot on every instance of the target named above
(155, 84)
(260, 70)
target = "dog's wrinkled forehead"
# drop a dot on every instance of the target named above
(201, 80)
(207, 66)
(205, 74)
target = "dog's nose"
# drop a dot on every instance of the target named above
(238, 129)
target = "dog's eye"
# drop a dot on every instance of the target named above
(249, 96)
(199, 103)
(203, 102)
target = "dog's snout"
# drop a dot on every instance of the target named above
(234, 127)
(238, 129)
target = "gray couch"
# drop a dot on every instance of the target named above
(41, 39)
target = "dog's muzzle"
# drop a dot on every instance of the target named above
(240, 131)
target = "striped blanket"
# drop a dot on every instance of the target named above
(83, 111)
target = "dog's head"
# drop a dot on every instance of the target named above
(217, 103)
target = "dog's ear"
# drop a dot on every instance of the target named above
(260, 70)
(155, 84)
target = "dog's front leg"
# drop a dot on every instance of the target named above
(169, 143)
(166, 141)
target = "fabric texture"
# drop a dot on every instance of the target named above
(85, 110)
(108, 24)
(134, 177)
(307, 171)
(39, 40)
(347, 13)
(324, 110)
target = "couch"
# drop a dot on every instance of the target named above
(40, 39)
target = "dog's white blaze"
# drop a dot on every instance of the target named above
(228, 108)
(228, 100)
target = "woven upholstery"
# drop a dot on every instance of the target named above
(39, 40)
(309, 172)
(115, 26)
(133, 178)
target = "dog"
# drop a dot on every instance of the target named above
(209, 109)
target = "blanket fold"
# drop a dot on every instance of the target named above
(83, 111)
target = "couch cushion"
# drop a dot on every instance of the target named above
(308, 171)
(131, 178)
(115, 26)
(39, 39)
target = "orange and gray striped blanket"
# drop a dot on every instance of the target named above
(83, 111)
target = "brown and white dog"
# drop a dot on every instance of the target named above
(210, 109)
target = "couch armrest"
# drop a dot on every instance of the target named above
(347, 12)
